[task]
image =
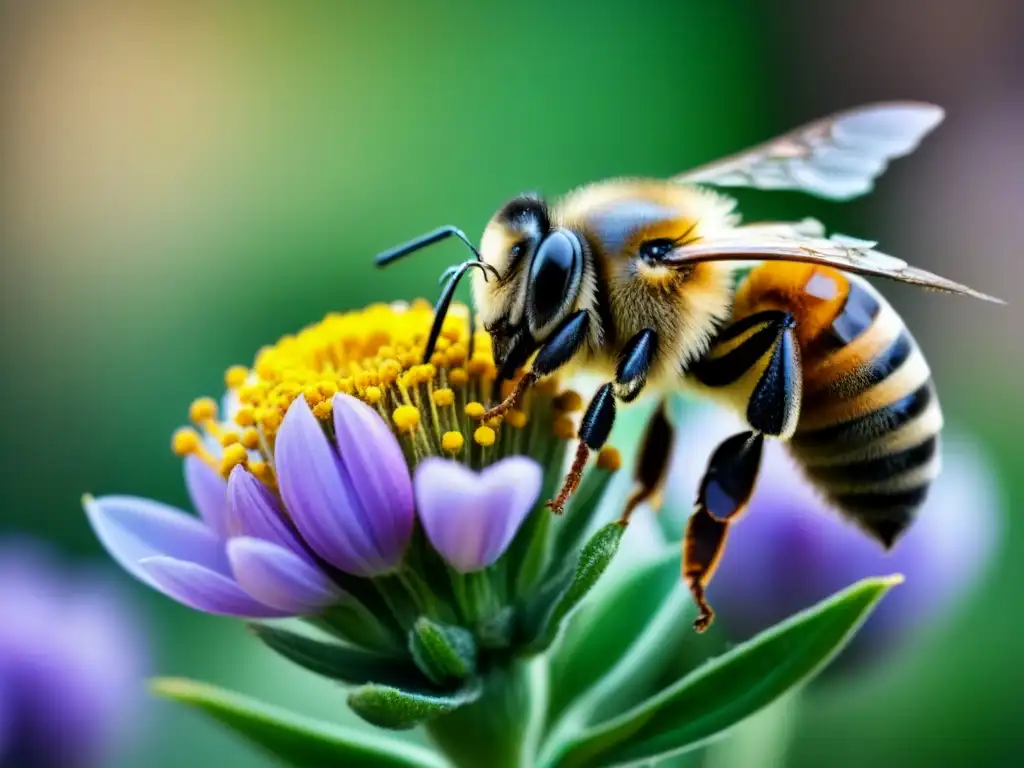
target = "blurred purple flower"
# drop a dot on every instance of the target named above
(349, 505)
(469, 517)
(789, 550)
(71, 664)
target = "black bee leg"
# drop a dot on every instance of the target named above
(724, 492)
(760, 355)
(558, 350)
(630, 376)
(653, 462)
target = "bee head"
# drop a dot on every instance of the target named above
(539, 270)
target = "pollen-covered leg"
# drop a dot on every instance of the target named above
(724, 493)
(630, 376)
(553, 354)
(652, 465)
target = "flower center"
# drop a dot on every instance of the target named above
(376, 354)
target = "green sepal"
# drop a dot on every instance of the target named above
(442, 652)
(496, 632)
(339, 662)
(724, 692)
(604, 629)
(356, 624)
(397, 709)
(537, 556)
(594, 558)
(296, 741)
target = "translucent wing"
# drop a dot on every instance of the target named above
(837, 157)
(799, 242)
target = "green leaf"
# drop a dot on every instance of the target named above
(594, 558)
(724, 692)
(604, 629)
(396, 709)
(297, 741)
(441, 651)
(583, 506)
(339, 662)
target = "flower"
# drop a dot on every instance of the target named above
(790, 551)
(306, 482)
(71, 663)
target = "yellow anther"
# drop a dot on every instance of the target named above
(452, 442)
(251, 439)
(494, 423)
(484, 436)
(185, 441)
(569, 401)
(245, 417)
(564, 428)
(373, 395)
(229, 438)
(517, 419)
(270, 419)
(406, 417)
(456, 354)
(547, 387)
(475, 410)
(202, 409)
(327, 388)
(262, 471)
(312, 395)
(609, 458)
(458, 377)
(438, 359)
(482, 367)
(323, 410)
(443, 397)
(234, 455)
(235, 376)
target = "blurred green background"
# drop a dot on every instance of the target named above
(183, 182)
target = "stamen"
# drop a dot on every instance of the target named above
(443, 397)
(609, 458)
(235, 376)
(202, 410)
(564, 428)
(234, 455)
(569, 401)
(452, 442)
(406, 418)
(484, 436)
(475, 410)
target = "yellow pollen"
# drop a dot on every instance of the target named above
(251, 439)
(202, 409)
(406, 418)
(569, 401)
(484, 436)
(458, 377)
(235, 376)
(517, 419)
(229, 438)
(564, 428)
(245, 417)
(609, 458)
(452, 442)
(475, 410)
(443, 397)
(495, 422)
(323, 409)
(185, 441)
(481, 367)
(233, 456)
(373, 395)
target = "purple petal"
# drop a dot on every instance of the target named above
(320, 500)
(204, 590)
(208, 492)
(253, 511)
(376, 471)
(279, 578)
(471, 518)
(133, 529)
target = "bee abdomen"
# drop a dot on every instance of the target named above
(868, 435)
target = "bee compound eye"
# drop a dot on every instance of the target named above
(554, 277)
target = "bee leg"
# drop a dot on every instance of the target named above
(725, 490)
(558, 350)
(630, 376)
(652, 465)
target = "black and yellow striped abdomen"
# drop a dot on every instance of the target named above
(868, 430)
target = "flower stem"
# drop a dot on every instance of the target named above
(503, 727)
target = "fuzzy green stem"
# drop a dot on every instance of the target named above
(502, 728)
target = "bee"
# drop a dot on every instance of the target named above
(657, 286)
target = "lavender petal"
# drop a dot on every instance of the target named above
(320, 500)
(279, 578)
(377, 473)
(132, 529)
(471, 518)
(253, 511)
(205, 590)
(208, 492)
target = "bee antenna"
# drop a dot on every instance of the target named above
(453, 274)
(436, 236)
